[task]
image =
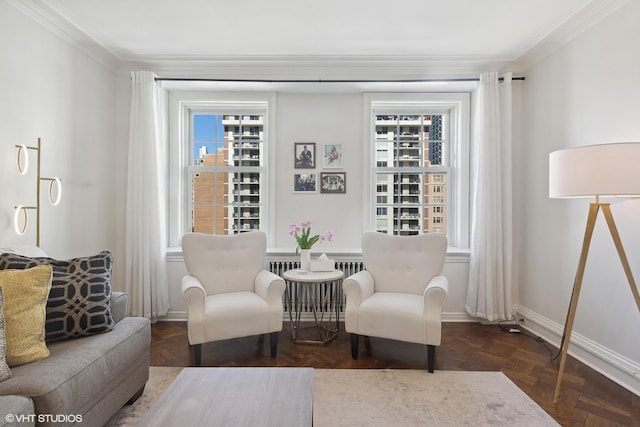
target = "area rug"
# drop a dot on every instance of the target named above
(160, 378)
(392, 397)
(385, 397)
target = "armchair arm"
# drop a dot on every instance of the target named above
(270, 286)
(434, 295)
(194, 294)
(358, 287)
(437, 290)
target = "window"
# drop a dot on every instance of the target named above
(226, 172)
(219, 161)
(419, 167)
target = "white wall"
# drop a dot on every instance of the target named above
(586, 93)
(323, 119)
(52, 90)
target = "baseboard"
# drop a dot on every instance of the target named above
(457, 317)
(616, 367)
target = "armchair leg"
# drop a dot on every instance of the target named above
(197, 354)
(431, 357)
(274, 344)
(354, 346)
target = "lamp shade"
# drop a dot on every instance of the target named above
(603, 170)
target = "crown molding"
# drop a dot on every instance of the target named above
(51, 19)
(50, 14)
(576, 22)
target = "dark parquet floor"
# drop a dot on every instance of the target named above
(587, 397)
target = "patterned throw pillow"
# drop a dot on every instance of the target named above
(5, 372)
(79, 303)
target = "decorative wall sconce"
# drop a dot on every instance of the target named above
(22, 162)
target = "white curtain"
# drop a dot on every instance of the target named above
(146, 242)
(490, 269)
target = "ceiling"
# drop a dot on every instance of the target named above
(452, 31)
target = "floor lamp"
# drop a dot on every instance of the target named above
(594, 171)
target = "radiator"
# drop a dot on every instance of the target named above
(348, 267)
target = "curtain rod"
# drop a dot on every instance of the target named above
(189, 79)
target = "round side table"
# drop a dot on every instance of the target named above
(317, 290)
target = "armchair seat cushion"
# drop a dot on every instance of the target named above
(394, 316)
(235, 314)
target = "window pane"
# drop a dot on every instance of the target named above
(410, 198)
(228, 172)
(208, 139)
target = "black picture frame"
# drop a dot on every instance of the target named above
(304, 155)
(333, 182)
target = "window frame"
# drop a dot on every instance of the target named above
(457, 105)
(181, 105)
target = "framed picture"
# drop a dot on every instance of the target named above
(304, 182)
(333, 182)
(305, 155)
(332, 156)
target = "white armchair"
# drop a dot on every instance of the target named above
(400, 293)
(228, 292)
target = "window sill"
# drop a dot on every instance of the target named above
(453, 254)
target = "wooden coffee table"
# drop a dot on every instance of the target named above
(236, 397)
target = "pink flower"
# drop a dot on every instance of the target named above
(293, 229)
(304, 239)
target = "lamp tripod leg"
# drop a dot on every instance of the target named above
(571, 313)
(606, 210)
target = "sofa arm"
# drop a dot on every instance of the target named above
(119, 303)
(17, 411)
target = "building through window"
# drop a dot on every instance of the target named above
(227, 171)
(410, 171)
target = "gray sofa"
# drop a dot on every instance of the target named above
(84, 381)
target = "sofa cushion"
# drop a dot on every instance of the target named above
(5, 372)
(80, 300)
(25, 298)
